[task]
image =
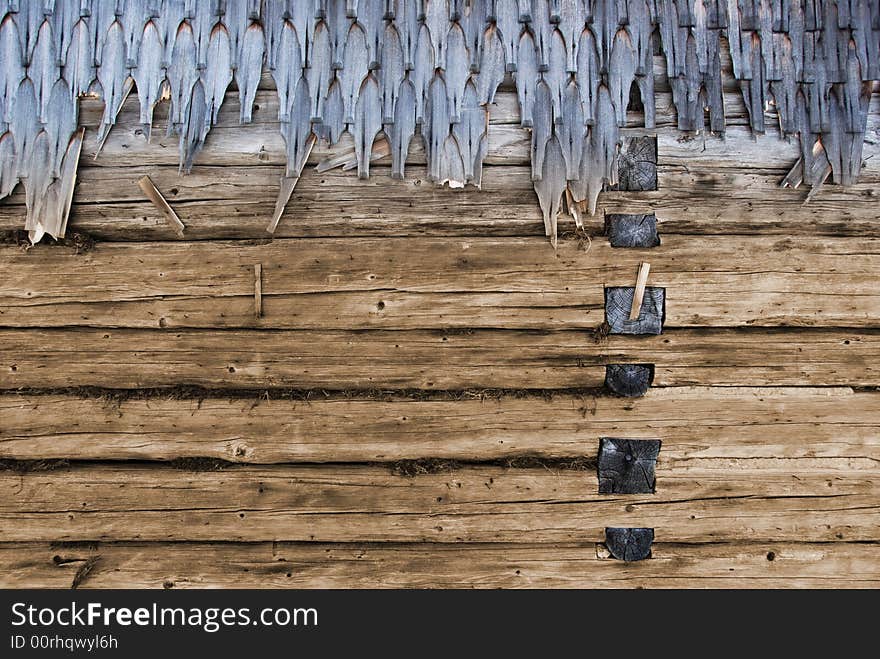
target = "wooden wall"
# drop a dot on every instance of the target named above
(420, 402)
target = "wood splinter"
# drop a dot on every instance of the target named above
(149, 188)
(258, 290)
(639, 294)
(347, 159)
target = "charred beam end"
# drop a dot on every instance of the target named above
(627, 466)
(637, 165)
(629, 380)
(618, 301)
(627, 230)
(629, 544)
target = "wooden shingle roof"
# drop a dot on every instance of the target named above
(432, 67)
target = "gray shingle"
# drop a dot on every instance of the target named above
(574, 64)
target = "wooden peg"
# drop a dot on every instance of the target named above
(639, 294)
(146, 184)
(258, 290)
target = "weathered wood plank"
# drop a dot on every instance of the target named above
(469, 504)
(834, 428)
(314, 565)
(223, 202)
(238, 202)
(410, 283)
(695, 199)
(451, 360)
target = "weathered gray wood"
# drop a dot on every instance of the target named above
(626, 466)
(820, 78)
(222, 202)
(629, 230)
(618, 302)
(149, 73)
(629, 380)
(472, 134)
(637, 165)
(248, 70)
(367, 124)
(551, 185)
(629, 544)
(526, 77)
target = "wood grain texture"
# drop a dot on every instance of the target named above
(430, 359)
(149, 188)
(338, 503)
(758, 483)
(221, 202)
(433, 282)
(285, 565)
(829, 428)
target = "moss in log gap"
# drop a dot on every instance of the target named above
(600, 334)
(82, 243)
(200, 464)
(30, 466)
(84, 571)
(583, 239)
(407, 467)
(425, 466)
(186, 392)
(73, 545)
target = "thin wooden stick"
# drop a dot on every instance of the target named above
(258, 290)
(70, 184)
(639, 295)
(149, 188)
(288, 183)
(381, 148)
(346, 159)
(285, 190)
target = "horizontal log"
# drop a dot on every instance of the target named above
(225, 202)
(701, 200)
(284, 565)
(469, 504)
(451, 360)
(794, 428)
(695, 175)
(408, 283)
